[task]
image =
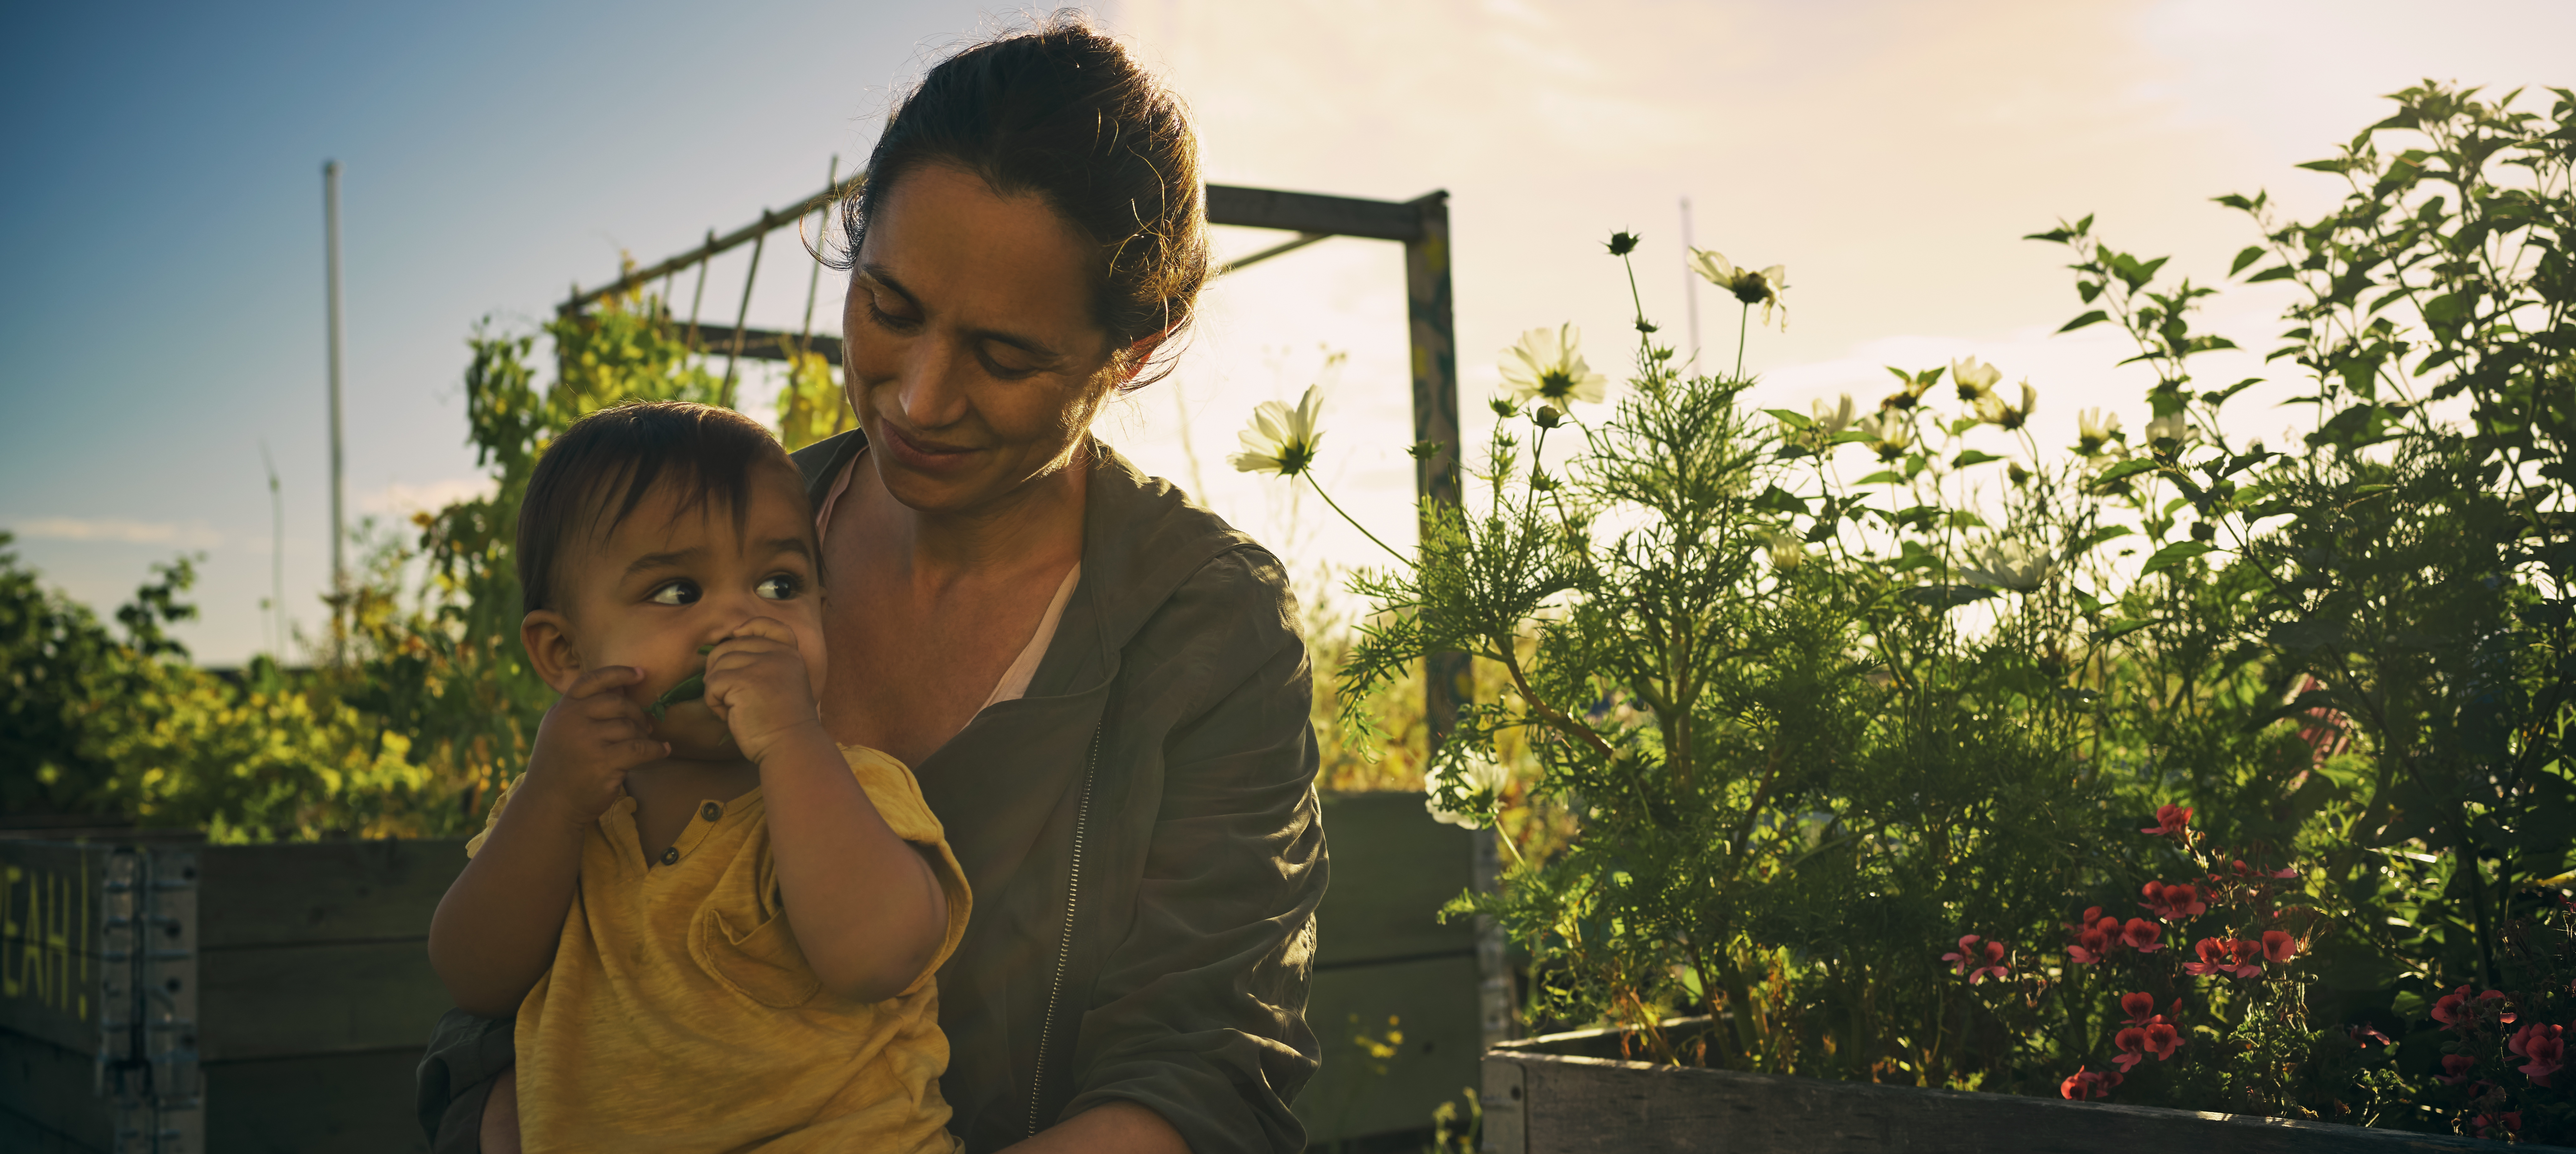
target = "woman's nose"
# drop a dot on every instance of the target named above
(929, 391)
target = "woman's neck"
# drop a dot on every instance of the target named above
(1037, 525)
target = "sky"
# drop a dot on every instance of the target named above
(162, 220)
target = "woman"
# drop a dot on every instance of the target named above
(1100, 686)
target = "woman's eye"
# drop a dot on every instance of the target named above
(878, 313)
(675, 593)
(779, 588)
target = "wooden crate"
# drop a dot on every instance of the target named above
(1381, 952)
(1559, 1095)
(170, 997)
(178, 998)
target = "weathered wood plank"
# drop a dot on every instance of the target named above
(1312, 212)
(1393, 868)
(50, 920)
(261, 895)
(1546, 1104)
(357, 1103)
(281, 1001)
(1436, 1002)
(52, 1090)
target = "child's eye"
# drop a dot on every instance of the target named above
(779, 588)
(675, 593)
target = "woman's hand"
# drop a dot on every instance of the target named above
(588, 741)
(757, 685)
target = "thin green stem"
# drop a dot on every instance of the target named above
(1355, 523)
(1743, 320)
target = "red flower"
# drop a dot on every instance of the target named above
(2368, 1033)
(2141, 935)
(2132, 1043)
(2248, 956)
(2172, 902)
(2156, 1036)
(2141, 1008)
(2457, 1010)
(2095, 940)
(2279, 946)
(1966, 960)
(2163, 1038)
(2455, 1068)
(2213, 958)
(2544, 1047)
(2171, 821)
(2082, 1085)
(2510, 1122)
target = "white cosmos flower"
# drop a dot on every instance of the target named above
(1787, 551)
(1831, 421)
(1753, 288)
(1975, 378)
(1465, 784)
(1992, 409)
(2011, 565)
(1545, 366)
(2094, 429)
(1889, 434)
(1281, 440)
(2175, 426)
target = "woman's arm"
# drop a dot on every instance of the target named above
(1109, 1128)
(1198, 1016)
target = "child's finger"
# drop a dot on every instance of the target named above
(766, 629)
(637, 751)
(602, 680)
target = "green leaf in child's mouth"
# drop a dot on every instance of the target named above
(689, 688)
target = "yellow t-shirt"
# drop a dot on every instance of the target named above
(679, 1014)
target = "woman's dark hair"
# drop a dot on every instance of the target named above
(1062, 112)
(596, 474)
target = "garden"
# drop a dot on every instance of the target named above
(1874, 743)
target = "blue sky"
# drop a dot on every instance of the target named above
(162, 218)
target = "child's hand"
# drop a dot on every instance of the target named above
(757, 685)
(585, 745)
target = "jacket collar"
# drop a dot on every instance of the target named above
(1141, 538)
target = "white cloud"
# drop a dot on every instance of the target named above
(117, 530)
(401, 499)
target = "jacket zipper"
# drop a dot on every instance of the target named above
(1064, 950)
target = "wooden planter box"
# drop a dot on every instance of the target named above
(174, 997)
(171, 998)
(1567, 1092)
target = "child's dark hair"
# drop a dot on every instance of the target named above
(594, 475)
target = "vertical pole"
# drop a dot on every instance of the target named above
(1435, 420)
(706, 256)
(814, 280)
(742, 316)
(1435, 474)
(1690, 280)
(331, 247)
(277, 555)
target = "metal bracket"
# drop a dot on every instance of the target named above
(167, 1003)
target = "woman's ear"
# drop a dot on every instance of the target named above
(548, 638)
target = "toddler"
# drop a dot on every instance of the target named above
(717, 928)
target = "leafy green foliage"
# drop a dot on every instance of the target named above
(1803, 736)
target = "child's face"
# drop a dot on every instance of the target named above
(668, 582)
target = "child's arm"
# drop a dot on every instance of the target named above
(495, 932)
(867, 910)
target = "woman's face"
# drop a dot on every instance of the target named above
(973, 359)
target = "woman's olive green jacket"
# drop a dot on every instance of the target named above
(1143, 841)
